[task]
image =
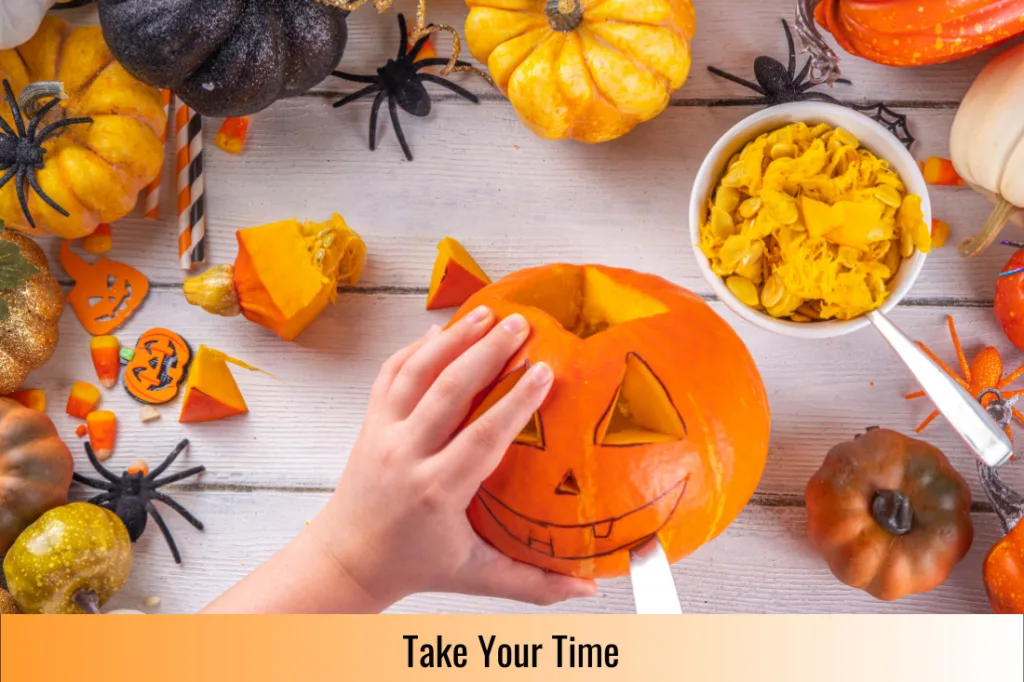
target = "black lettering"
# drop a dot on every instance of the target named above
(589, 649)
(442, 654)
(611, 656)
(486, 646)
(459, 656)
(427, 659)
(410, 639)
(559, 639)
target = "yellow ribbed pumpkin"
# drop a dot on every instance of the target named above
(589, 70)
(93, 170)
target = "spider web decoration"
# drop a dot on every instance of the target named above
(893, 122)
(779, 83)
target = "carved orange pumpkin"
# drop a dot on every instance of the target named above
(657, 422)
(916, 32)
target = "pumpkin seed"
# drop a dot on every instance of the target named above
(733, 250)
(750, 207)
(797, 317)
(906, 244)
(320, 256)
(783, 208)
(772, 292)
(743, 289)
(888, 195)
(722, 225)
(727, 199)
(846, 137)
(783, 149)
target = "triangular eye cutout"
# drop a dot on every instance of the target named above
(641, 412)
(533, 433)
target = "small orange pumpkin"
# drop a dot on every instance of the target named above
(889, 514)
(1004, 565)
(35, 469)
(917, 32)
(657, 422)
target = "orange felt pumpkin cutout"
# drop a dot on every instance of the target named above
(106, 293)
(158, 368)
(657, 422)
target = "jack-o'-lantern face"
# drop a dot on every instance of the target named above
(657, 422)
(106, 293)
(158, 368)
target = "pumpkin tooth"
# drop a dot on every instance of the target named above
(603, 530)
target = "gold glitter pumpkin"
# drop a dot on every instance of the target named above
(28, 333)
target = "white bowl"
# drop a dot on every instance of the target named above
(873, 137)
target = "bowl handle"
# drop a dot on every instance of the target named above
(972, 422)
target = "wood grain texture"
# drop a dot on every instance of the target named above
(517, 201)
(302, 425)
(762, 563)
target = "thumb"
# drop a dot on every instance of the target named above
(500, 576)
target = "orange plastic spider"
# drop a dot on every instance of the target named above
(984, 372)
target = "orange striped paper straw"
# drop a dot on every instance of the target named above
(153, 191)
(191, 201)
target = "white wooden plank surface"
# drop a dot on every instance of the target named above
(518, 201)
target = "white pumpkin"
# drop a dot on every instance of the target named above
(19, 20)
(987, 143)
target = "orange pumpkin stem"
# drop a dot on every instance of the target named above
(82, 400)
(102, 427)
(106, 358)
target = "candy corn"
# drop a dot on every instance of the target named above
(106, 358)
(83, 399)
(232, 133)
(148, 414)
(33, 399)
(81, 430)
(102, 432)
(138, 466)
(100, 241)
(940, 233)
(939, 171)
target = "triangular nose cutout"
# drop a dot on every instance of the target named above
(641, 412)
(533, 433)
(568, 486)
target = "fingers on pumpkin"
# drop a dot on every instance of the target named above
(447, 401)
(421, 370)
(106, 358)
(82, 400)
(509, 579)
(33, 399)
(102, 426)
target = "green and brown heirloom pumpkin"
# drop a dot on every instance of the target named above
(226, 57)
(31, 303)
(35, 469)
(889, 514)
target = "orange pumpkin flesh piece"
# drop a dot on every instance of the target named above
(657, 422)
(287, 272)
(455, 278)
(212, 393)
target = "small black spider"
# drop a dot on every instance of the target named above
(778, 84)
(401, 82)
(21, 151)
(131, 495)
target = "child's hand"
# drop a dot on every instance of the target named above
(397, 522)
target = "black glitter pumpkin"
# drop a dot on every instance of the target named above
(226, 57)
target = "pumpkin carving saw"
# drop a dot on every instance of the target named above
(657, 422)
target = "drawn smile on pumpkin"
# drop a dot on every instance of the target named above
(599, 537)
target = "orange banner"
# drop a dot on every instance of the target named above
(535, 648)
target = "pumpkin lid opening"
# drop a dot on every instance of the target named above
(585, 301)
(642, 411)
(533, 433)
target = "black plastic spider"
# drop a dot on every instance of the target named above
(131, 495)
(401, 82)
(778, 84)
(21, 151)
